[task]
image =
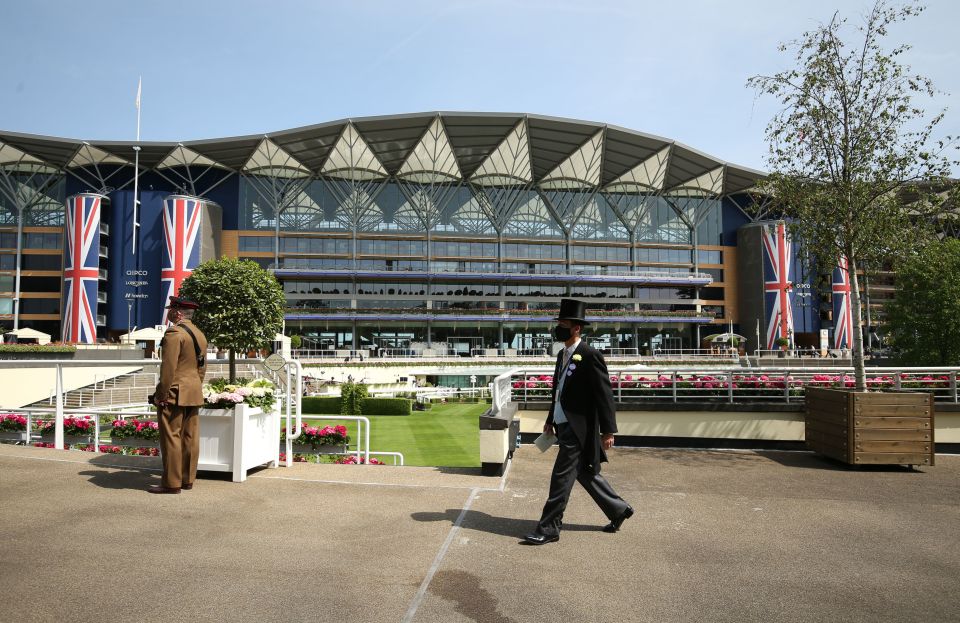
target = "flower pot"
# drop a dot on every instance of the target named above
(305, 448)
(135, 442)
(216, 412)
(68, 440)
(20, 435)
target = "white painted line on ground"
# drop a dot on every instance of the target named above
(503, 479)
(422, 591)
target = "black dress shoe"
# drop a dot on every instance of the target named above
(614, 525)
(187, 487)
(161, 489)
(540, 539)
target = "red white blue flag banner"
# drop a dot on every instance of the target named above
(181, 248)
(81, 269)
(777, 287)
(842, 309)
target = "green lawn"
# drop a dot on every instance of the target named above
(447, 435)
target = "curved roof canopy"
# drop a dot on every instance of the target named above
(487, 149)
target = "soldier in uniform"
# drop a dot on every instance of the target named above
(179, 397)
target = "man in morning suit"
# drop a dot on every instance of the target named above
(179, 396)
(583, 415)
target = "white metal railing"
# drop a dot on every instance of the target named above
(292, 405)
(694, 353)
(785, 385)
(500, 388)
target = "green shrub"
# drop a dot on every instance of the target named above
(37, 348)
(386, 406)
(321, 405)
(352, 396)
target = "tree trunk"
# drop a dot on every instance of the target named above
(233, 366)
(859, 372)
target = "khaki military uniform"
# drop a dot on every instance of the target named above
(180, 386)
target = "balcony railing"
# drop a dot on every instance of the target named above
(633, 276)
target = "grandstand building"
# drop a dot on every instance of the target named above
(452, 232)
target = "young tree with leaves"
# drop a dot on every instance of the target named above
(241, 304)
(848, 144)
(923, 321)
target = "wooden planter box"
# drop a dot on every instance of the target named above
(870, 428)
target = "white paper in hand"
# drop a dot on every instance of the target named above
(544, 441)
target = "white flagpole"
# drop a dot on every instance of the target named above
(136, 171)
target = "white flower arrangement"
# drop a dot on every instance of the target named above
(218, 394)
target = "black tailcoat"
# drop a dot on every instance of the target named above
(587, 401)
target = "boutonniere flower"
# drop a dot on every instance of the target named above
(577, 357)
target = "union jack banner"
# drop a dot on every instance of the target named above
(777, 260)
(181, 249)
(842, 309)
(81, 272)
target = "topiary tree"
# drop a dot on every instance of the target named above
(295, 341)
(352, 396)
(241, 304)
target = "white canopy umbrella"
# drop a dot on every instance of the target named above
(726, 337)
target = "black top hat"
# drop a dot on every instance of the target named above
(178, 302)
(572, 309)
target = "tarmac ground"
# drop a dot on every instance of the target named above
(717, 536)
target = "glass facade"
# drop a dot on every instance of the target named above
(418, 231)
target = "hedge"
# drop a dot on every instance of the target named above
(386, 406)
(322, 405)
(37, 348)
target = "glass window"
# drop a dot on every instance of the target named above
(714, 294)
(256, 244)
(6, 306)
(716, 273)
(532, 219)
(464, 213)
(598, 222)
(39, 306)
(6, 283)
(33, 240)
(710, 257)
(42, 262)
(8, 240)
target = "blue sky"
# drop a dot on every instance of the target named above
(216, 68)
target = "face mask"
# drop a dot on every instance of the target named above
(562, 334)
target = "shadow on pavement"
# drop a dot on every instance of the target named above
(121, 479)
(811, 460)
(503, 526)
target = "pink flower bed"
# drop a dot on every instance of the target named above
(535, 387)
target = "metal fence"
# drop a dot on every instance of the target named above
(731, 386)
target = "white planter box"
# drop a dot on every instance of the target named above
(235, 440)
